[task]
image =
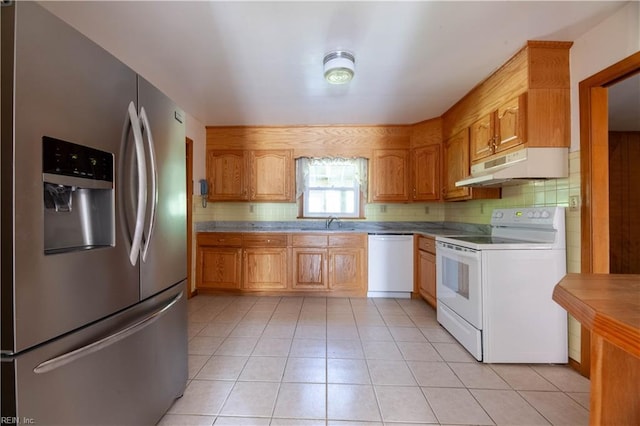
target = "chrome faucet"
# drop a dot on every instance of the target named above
(330, 219)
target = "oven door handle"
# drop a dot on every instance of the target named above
(445, 249)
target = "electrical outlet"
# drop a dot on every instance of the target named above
(426, 209)
(383, 208)
(574, 203)
(251, 208)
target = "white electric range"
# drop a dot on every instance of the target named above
(494, 291)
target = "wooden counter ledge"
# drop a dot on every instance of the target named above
(609, 306)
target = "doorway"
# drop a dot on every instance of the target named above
(594, 166)
(189, 171)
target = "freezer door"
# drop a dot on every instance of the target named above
(66, 87)
(125, 370)
(163, 257)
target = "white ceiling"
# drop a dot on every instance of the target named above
(260, 63)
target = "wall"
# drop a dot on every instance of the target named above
(415, 212)
(197, 132)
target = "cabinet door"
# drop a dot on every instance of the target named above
(426, 173)
(427, 276)
(346, 268)
(265, 268)
(219, 268)
(390, 175)
(227, 173)
(511, 123)
(482, 137)
(456, 165)
(309, 268)
(271, 175)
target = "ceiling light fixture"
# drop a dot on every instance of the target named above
(339, 67)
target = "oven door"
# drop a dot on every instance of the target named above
(459, 281)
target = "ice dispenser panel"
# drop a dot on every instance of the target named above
(79, 210)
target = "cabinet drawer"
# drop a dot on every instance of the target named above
(347, 240)
(309, 240)
(265, 240)
(427, 244)
(220, 239)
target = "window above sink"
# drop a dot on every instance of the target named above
(331, 186)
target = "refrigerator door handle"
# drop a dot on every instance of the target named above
(98, 345)
(133, 122)
(146, 127)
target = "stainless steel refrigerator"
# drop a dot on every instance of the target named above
(93, 214)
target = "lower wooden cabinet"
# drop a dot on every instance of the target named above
(426, 269)
(347, 264)
(264, 268)
(309, 268)
(219, 261)
(328, 263)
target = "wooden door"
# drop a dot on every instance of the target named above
(511, 123)
(265, 268)
(219, 268)
(309, 268)
(345, 268)
(427, 276)
(426, 173)
(227, 173)
(456, 165)
(624, 202)
(482, 137)
(390, 175)
(271, 175)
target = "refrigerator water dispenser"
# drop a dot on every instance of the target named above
(78, 192)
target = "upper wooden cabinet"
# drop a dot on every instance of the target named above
(499, 130)
(256, 175)
(271, 175)
(389, 175)
(227, 173)
(526, 101)
(456, 166)
(425, 166)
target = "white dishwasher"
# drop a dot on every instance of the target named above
(390, 265)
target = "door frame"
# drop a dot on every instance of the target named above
(189, 173)
(594, 176)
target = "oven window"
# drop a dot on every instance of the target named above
(455, 275)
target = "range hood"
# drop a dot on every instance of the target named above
(524, 164)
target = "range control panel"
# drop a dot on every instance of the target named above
(528, 217)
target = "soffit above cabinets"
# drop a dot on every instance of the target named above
(260, 63)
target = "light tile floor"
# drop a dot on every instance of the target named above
(337, 361)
